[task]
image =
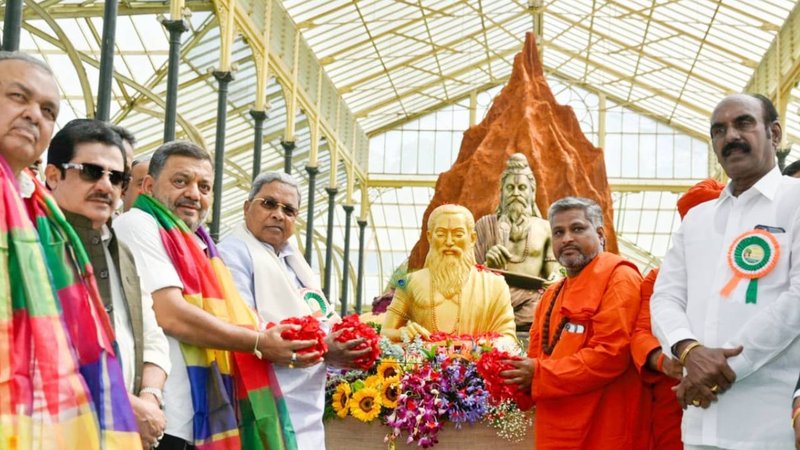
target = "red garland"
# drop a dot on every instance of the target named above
(309, 330)
(489, 366)
(353, 328)
(441, 336)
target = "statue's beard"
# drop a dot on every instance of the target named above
(449, 272)
(516, 214)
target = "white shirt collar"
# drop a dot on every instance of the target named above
(766, 186)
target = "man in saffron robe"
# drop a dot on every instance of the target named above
(450, 295)
(579, 369)
(661, 412)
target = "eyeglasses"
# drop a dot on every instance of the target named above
(271, 204)
(93, 172)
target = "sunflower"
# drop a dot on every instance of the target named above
(390, 392)
(388, 368)
(374, 381)
(341, 399)
(366, 404)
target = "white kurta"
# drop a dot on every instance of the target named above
(687, 304)
(264, 281)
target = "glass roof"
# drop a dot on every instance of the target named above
(405, 71)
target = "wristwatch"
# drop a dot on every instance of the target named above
(155, 392)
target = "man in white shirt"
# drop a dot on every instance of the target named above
(274, 279)
(86, 173)
(180, 177)
(726, 299)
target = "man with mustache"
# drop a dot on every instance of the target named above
(208, 326)
(517, 239)
(274, 279)
(579, 369)
(450, 294)
(726, 299)
(86, 174)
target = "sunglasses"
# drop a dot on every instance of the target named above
(93, 172)
(271, 204)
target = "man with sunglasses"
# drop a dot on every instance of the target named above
(86, 174)
(274, 279)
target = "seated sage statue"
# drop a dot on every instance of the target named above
(516, 239)
(450, 294)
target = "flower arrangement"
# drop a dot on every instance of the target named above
(309, 330)
(352, 328)
(419, 386)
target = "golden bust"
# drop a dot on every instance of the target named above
(450, 294)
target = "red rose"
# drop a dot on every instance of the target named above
(351, 328)
(489, 366)
(309, 330)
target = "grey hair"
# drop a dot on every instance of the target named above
(269, 177)
(20, 56)
(176, 148)
(589, 207)
(140, 160)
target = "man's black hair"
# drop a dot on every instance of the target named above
(81, 131)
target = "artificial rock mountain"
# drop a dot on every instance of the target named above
(523, 118)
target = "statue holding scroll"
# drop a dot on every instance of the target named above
(450, 294)
(516, 240)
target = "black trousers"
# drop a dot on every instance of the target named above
(174, 443)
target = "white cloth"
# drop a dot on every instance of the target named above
(261, 275)
(122, 322)
(140, 232)
(754, 413)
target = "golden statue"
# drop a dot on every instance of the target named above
(517, 240)
(450, 294)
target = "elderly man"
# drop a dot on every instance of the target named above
(274, 279)
(86, 174)
(139, 168)
(517, 239)
(725, 301)
(579, 369)
(67, 388)
(204, 320)
(450, 294)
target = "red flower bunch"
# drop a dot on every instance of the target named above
(309, 330)
(489, 366)
(352, 328)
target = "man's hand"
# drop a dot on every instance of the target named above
(707, 375)
(521, 374)
(278, 350)
(412, 329)
(670, 367)
(498, 257)
(341, 354)
(149, 418)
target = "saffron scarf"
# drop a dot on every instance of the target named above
(60, 383)
(218, 377)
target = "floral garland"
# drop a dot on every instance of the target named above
(418, 386)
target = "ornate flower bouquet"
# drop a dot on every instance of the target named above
(417, 387)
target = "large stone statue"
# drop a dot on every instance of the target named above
(450, 294)
(516, 239)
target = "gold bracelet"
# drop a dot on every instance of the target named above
(685, 352)
(256, 351)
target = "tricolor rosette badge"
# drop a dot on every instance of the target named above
(752, 255)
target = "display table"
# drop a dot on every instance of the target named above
(350, 434)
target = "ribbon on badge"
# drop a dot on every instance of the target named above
(316, 301)
(752, 255)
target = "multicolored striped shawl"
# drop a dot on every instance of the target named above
(208, 284)
(61, 386)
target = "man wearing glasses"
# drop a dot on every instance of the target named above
(273, 278)
(86, 173)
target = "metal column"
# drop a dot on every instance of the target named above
(11, 25)
(224, 78)
(312, 191)
(175, 28)
(259, 117)
(348, 211)
(362, 227)
(106, 61)
(288, 148)
(326, 289)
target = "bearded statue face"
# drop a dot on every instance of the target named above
(451, 255)
(518, 195)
